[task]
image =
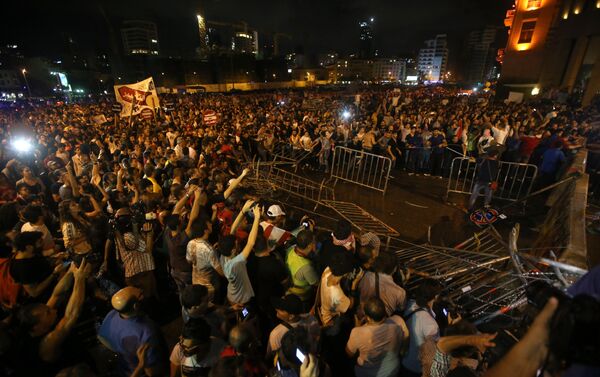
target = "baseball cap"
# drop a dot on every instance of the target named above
(290, 303)
(275, 211)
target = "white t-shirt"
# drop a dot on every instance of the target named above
(500, 134)
(333, 299)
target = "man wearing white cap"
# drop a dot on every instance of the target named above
(275, 236)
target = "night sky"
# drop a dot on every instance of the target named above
(316, 25)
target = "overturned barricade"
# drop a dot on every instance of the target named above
(483, 276)
(285, 153)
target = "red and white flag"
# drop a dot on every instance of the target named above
(136, 97)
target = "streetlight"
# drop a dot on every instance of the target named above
(24, 71)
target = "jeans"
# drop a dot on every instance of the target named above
(415, 158)
(487, 192)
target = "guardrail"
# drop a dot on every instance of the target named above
(361, 168)
(515, 180)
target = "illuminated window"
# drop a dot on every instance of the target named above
(534, 4)
(526, 32)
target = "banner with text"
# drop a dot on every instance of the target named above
(136, 97)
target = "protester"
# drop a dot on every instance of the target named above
(126, 328)
(377, 342)
(485, 180)
(157, 207)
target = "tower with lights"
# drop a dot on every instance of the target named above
(366, 38)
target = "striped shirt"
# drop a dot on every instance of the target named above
(204, 259)
(135, 259)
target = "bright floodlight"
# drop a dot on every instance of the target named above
(346, 114)
(372, 19)
(474, 89)
(535, 91)
(21, 145)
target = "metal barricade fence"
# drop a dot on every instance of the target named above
(515, 180)
(362, 168)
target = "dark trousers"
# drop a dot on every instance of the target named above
(415, 157)
(436, 163)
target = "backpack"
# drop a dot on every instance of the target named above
(9, 289)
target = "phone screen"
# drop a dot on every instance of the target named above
(445, 312)
(245, 312)
(300, 355)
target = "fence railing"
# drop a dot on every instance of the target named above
(284, 152)
(515, 180)
(361, 168)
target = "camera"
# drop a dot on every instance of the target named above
(574, 328)
(444, 308)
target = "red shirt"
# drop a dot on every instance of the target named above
(528, 144)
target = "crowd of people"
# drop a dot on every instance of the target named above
(104, 218)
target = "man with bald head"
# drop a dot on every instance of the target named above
(126, 328)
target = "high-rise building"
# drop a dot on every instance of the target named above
(140, 37)
(553, 44)
(366, 38)
(389, 69)
(480, 55)
(433, 58)
(245, 42)
(203, 34)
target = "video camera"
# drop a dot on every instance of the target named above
(574, 328)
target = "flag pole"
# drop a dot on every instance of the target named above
(154, 109)
(131, 112)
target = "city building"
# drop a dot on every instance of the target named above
(327, 59)
(389, 69)
(139, 37)
(229, 37)
(380, 69)
(10, 84)
(433, 58)
(480, 53)
(553, 44)
(244, 42)
(366, 38)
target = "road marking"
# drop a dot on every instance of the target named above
(414, 205)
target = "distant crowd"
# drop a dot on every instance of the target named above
(111, 227)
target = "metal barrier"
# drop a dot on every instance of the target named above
(284, 153)
(481, 275)
(362, 168)
(299, 186)
(515, 180)
(362, 219)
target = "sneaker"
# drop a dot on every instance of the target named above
(411, 174)
(439, 177)
(427, 174)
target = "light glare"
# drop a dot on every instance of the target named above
(22, 145)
